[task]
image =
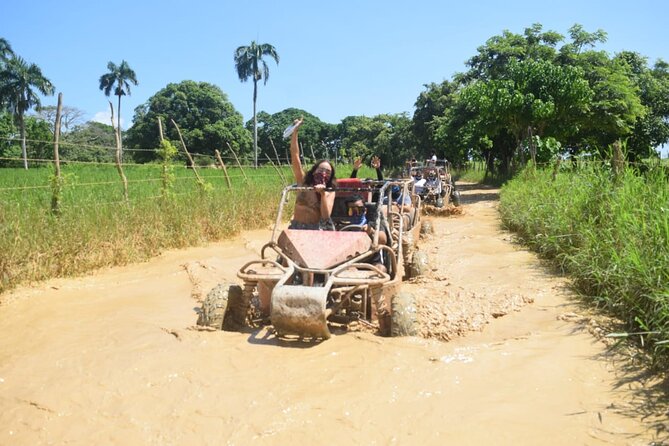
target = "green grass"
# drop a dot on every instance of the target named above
(610, 234)
(97, 227)
(476, 173)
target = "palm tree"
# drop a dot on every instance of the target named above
(5, 50)
(118, 79)
(20, 83)
(249, 63)
(5, 53)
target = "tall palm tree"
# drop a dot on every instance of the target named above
(118, 79)
(5, 53)
(20, 83)
(5, 50)
(249, 63)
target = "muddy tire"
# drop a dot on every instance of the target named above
(419, 264)
(426, 228)
(403, 315)
(455, 198)
(221, 307)
(408, 248)
(439, 203)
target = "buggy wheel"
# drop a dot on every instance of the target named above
(419, 264)
(220, 309)
(455, 197)
(440, 202)
(426, 227)
(403, 315)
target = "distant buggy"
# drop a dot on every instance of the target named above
(434, 184)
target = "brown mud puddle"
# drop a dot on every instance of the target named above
(113, 358)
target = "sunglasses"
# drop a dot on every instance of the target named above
(356, 211)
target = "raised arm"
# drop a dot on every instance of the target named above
(376, 164)
(295, 154)
(356, 166)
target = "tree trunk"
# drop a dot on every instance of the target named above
(119, 166)
(24, 151)
(255, 121)
(118, 129)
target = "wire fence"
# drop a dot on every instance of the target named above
(148, 181)
(231, 158)
(67, 183)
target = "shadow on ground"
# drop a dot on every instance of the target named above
(489, 193)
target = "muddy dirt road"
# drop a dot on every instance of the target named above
(113, 359)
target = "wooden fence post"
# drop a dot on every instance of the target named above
(190, 158)
(618, 161)
(556, 169)
(283, 179)
(278, 161)
(58, 180)
(225, 170)
(237, 159)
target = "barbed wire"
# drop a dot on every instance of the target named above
(130, 181)
(112, 148)
(111, 163)
(99, 204)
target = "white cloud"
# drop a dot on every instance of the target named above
(104, 117)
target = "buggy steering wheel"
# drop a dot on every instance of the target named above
(352, 228)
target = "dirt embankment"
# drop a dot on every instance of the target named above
(113, 359)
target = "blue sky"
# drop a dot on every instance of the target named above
(338, 58)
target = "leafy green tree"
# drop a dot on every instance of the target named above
(118, 80)
(433, 103)
(531, 97)
(20, 85)
(357, 136)
(250, 64)
(315, 135)
(207, 119)
(37, 132)
(651, 129)
(615, 105)
(394, 143)
(522, 86)
(493, 57)
(89, 142)
(9, 148)
(386, 136)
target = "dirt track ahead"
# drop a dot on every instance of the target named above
(113, 359)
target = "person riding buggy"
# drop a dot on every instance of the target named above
(434, 184)
(355, 276)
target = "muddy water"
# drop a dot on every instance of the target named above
(113, 359)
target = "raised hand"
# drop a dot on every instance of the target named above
(376, 162)
(357, 163)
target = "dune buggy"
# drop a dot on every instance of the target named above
(434, 183)
(319, 279)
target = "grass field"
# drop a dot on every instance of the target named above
(96, 227)
(609, 232)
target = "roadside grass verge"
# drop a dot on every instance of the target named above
(479, 176)
(609, 233)
(97, 228)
